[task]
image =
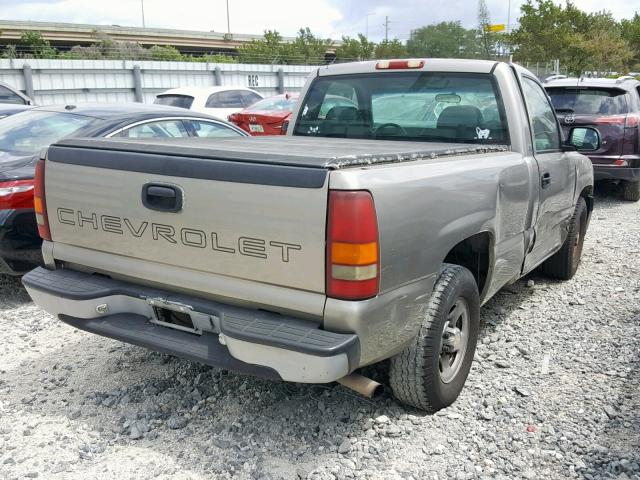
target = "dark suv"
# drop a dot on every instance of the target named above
(612, 106)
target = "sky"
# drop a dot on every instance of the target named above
(327, 18)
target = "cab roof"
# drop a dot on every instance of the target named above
(430, 65)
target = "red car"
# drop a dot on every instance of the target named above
(266, 117)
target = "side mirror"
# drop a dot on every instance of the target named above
(583, 139)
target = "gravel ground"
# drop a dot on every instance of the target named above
(554, 393)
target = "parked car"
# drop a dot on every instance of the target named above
(24, 135)
(8, 109)
(351, 240)
(11, 95)
(217, 101)
(266, 117)
(613, 108)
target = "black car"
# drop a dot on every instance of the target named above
(612, 107)
(25, 135)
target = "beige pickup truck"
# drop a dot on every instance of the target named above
(373, 230)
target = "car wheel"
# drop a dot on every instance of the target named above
(430, 373)
(631, 191)
(564, 263)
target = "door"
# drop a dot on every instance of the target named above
(557, 176)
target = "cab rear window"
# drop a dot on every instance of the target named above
(416, 106)
(588, 100)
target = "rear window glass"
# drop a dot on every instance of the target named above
(226, 99)
(29, 132)
(276, 104)
(419, 106)
(182, 101)
(588, 101)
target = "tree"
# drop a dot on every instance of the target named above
(630, 33)
(391, 49)
(10, 52)
(355, 49)
(264, 50)
(581, 41)
(443, 40)
(488, 40)
(308, 49)
(35, 46)
(165, 53)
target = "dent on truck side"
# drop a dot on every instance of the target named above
(426, 208)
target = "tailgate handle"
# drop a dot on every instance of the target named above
(162, 197)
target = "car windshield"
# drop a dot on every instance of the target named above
(275, 104)
(182, 101)
(29, 132)
(419, 106)
(588, 101)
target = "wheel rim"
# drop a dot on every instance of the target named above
(455, 337)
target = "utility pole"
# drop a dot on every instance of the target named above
(142, 5)
(228, 24)
(386, 28)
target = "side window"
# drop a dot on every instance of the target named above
(7, 96)
(543, 120)
(211, 130)
(214, 101)
(159, 129)
(228, 99)
(249, 98)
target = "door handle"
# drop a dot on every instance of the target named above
(163, 198)
(545, 180)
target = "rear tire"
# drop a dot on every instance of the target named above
(430, 373)
(631, 191)
(564, 263)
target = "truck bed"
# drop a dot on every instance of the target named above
(309, 152)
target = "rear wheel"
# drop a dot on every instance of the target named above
(430, 373)
(631, 191)
(564, 263)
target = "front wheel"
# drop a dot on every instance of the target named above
(430, 373)
(564, 263)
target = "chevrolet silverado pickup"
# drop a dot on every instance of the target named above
(375, 229)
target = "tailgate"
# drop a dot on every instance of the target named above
(259, 222)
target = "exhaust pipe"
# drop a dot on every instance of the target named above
(363, 385)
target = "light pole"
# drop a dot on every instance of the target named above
(142, 5)
(228, 24)
(366, 28)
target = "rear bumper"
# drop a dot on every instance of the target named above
(240, 339)
(605, 172)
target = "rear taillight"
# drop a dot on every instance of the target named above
(629, 121)
(353, 255)
(39, 202)
(632, 121)
(16, 194)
